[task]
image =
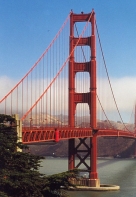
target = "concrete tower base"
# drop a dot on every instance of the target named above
(93, 182)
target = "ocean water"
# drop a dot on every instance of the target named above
(120, 172)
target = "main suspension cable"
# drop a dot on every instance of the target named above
(109, 77)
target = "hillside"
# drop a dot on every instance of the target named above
(106, 148)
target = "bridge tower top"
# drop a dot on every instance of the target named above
(74, 67)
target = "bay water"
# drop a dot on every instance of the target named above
(120, 172)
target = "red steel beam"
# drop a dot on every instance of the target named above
(33, 135)
(115, 133)
(36, 135)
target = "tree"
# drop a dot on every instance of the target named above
(54, 182)
(19, 175)
(19, 171)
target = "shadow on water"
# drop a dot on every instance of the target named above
(107, 162)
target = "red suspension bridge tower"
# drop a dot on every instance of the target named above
(89, 97)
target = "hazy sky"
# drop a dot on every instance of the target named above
(28, 26)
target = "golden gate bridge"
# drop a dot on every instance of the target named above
(62, 85)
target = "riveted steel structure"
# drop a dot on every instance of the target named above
(89, 98)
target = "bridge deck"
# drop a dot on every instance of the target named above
(30, 135)
(36, 135)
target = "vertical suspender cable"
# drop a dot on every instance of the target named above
(59, 83)
(31, 95)
(42, 91)
(22, 98)
(47, 64)
(35, 92)
(39, 79)
(55, 100)
(50, 88)
(53, 90)
(27, 95)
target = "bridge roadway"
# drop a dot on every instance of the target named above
(40, 135)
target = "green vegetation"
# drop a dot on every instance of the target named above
(19, 171)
